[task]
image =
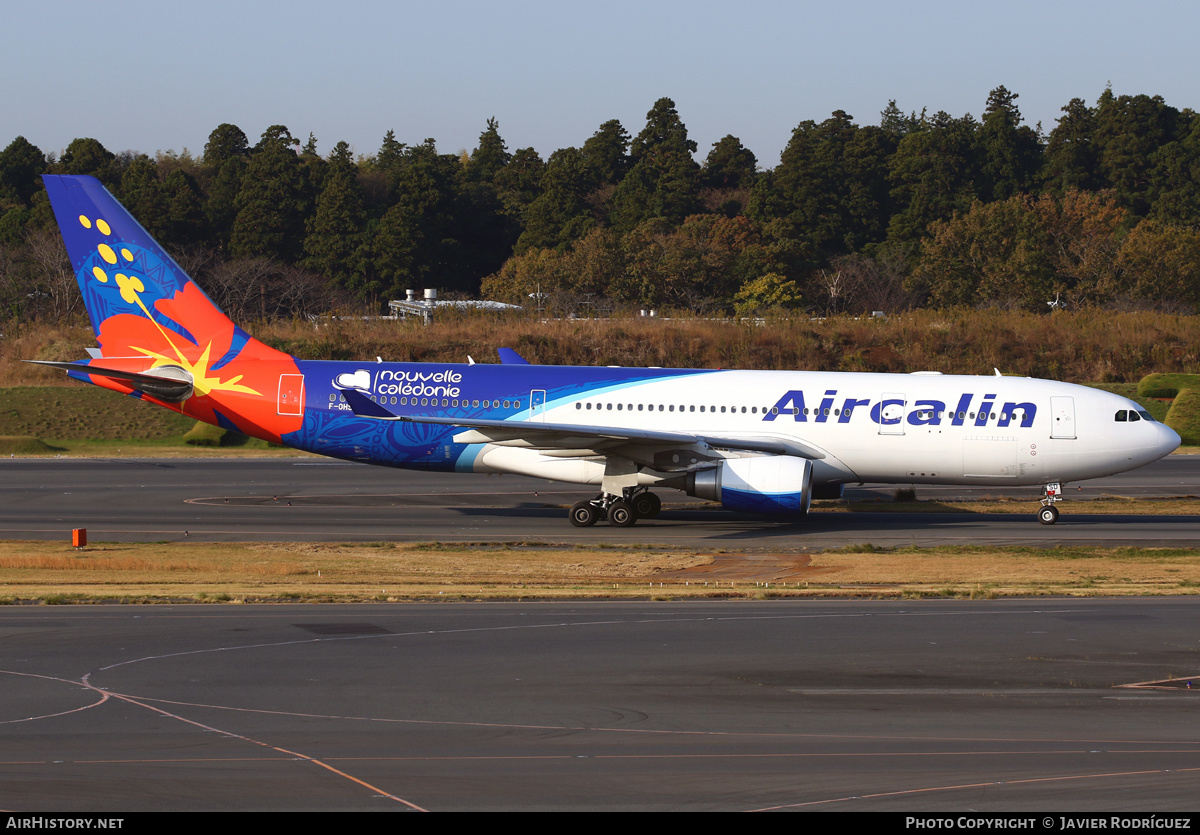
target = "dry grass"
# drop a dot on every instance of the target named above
(1101, 506)
(1014, 571)
(1079, 346)
(172, 572)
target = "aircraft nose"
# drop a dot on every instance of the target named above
(1167, 440)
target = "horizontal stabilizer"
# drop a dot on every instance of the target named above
(168, 383)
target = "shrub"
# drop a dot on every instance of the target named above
(1167, 385)
(1184, 416)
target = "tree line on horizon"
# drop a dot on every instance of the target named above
(918, 210)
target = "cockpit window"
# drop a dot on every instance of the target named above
(1132, 415)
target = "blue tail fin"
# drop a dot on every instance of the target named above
(119, 266)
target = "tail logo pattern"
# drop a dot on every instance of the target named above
(146, 335)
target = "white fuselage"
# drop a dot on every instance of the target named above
(886, 428)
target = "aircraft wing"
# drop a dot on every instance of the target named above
(570, 436)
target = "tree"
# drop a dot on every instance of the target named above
(220, 210)
(769, 292)
(663, 181)
(1175, 179)
(273, 201)
(1160, 264)
(1070, 158)
(830, 185)
(21, 165)
(561, 213)
(1129, 129)
(185, 222)
(518, 183)
(595, 262)
(88, 156)
(334, 232)
(1009, 152)
(417, 243)
(729, 165)
(535, 271)
(606, 154)
(996, 253)
(1084, 231)
(895, 124)
(933, 174)
(142, 195)
(391, 152)
(225, 143)
(728, 173)
(491, 155)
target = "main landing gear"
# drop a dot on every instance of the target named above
(621, 511)
(1048, 515)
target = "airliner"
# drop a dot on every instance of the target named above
(763, 442)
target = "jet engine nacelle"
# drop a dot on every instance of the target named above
(773, 485)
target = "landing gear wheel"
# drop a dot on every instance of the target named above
(1048, 515)
(584, 514)
(621, 514)
(646, 505)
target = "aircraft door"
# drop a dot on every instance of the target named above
(1062, 416)
(291, 394)
(890, 414)
(537, 405)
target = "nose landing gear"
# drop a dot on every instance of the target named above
(1048, 515)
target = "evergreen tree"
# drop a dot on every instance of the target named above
(494, 230)
(273, 201)
(830, 186)
(895, 124)
(933, 174)
(88, 156)
(185, 221)
(561, 213)
(1009, 152)
(663, 181)
(225, 143)
(491, 155)
(1175, 178)
(220, 210)
(335, 230)
(518, 183)
(417, 242)
(142, 195)
(21, 165)
(1070, 158)
(391, 152)
(1129, 129)
(606, 154)
(379, 174)
(729, 165)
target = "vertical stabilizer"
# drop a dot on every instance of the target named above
(121, 269)
(148, 314)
